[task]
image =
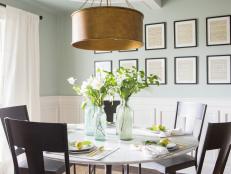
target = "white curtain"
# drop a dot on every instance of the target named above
(20, 70)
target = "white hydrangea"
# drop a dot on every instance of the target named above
(71, 80)
(97, 84)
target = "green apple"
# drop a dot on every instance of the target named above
(164, 142)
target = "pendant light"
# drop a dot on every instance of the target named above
(107, 28)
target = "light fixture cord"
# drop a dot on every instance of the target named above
(83, 4)
(129, 4)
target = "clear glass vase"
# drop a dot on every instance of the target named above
(124, 121)
(100, 121)
(89, 112)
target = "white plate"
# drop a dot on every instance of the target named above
(85, 148)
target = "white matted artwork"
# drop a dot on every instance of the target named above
(218, 69)
(155, 36)
(186, 70)
(218, 30)
(185, 33)
(156, 66)
(128, 63)
(102, 65)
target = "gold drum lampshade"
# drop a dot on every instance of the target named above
(107, 28)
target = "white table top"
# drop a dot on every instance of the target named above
(127, 152)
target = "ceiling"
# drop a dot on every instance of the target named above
(71, 5)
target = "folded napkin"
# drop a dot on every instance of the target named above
(177, 132)
(156, 150)
(173, 132)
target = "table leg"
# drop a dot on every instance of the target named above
(127, 169)
(108, 169)
(140, 168)
(91, 169)
(123, 169)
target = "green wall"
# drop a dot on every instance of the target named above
(60, 61)
(48, 44)
(78, 63)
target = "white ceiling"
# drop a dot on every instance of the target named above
(71, 5)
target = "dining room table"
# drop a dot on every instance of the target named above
(121, 152)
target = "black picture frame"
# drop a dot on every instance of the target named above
(207, 33)
(196, 71)
(102, 61)
(137, 62)
(196, 33)
(207, 69)
(165, 35)
(102, 52)
(165, 67)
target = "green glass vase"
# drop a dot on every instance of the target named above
(124, 121)
(89, 112)
(100, 121)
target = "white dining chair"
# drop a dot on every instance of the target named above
(190, 118)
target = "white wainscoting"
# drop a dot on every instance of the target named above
(147, 111)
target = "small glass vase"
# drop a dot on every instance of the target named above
(124, 121)
(100, 121)
(89, 112)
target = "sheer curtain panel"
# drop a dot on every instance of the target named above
(20, 72)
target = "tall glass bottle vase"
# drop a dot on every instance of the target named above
(100, 121)
(124, 121)
(89, 112)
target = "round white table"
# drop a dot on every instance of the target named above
(127, 152)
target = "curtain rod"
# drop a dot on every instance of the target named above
(4, 5)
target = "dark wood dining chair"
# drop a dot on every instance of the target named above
(110, 108)
(36, 138)
(192, 115)
(21, 113)
(218, 136)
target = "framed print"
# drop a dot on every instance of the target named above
(102, 52)
(128, 63)
(129, 50)
(218, 69)
(185, 33)
(218, 30)
(155, 36)
(186, 70)
(103, 65)
(156, 66)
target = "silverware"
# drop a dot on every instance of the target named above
(96, 152)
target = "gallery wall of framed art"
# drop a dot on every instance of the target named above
(183, 68)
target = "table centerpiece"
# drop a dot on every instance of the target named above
(128, 82)
(94, 90)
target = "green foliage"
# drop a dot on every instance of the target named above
(124, 82)
(127, 82)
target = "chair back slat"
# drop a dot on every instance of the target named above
(218, 136)
(36, 138)
(14, 112)
(110, 109)
(191, 116)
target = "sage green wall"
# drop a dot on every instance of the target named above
(48, 46)
(78, 63)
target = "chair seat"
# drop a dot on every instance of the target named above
(174, 163)
(51, 166)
